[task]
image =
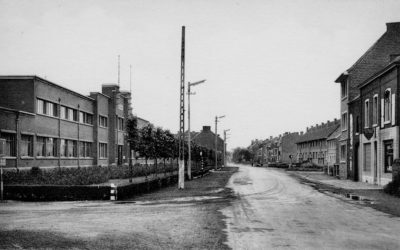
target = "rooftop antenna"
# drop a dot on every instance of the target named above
(118, 69)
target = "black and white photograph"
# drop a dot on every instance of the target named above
(200, 124)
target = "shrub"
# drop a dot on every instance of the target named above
(393, 187)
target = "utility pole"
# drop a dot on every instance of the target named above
(189, 171)
(181, 173)
(216, 139)
(226, 130)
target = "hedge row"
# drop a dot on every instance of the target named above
(80, 175)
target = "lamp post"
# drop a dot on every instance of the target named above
(226, 130)
(189, 134)
(216, 139)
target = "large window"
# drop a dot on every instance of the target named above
(47, 108)
(103, 121)
(375, 110)
(344, 121)
(103, 150)
(11, 143)
(388, 154)
(387, 105)
(46, 147)
(63, 148)
(343, 153)
(26, 145)
(85, 118)
(85, 149)
(366, 114)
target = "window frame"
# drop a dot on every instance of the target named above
(366, 113)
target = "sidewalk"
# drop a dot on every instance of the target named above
(323, 178)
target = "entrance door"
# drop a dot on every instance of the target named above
(356, 166)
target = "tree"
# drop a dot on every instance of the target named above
(132, 138)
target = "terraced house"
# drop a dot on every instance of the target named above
(47, 125)
(356, 103)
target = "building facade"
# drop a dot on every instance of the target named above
(374, 59)
(332, 156)
(379, 127)
(46, 125)
(287, 147)
(312, 146)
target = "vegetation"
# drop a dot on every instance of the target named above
(242, 155)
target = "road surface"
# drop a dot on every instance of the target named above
(275, 211)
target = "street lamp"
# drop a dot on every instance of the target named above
(226, 130)
(216, 139)
(189, 140)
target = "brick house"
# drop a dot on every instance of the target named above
(47, 125)
(287, 147)
(378, 129)
(312, 145)
(374, 59)
(332, 156)
(206, 138)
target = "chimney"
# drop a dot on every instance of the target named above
(301, 132)
(393, 27)
(206, 128)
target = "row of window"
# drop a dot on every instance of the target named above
(51, 109)
(312, 144)
(48, 147)
(312, 155)
(387, 102)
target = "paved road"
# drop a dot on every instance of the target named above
(275, 211)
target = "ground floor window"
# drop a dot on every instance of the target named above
(103, 150)
(46, 146)
(11, 142)
(367, 157)
(26, 145)
(388, 154)
(85, 149)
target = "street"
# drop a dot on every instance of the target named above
(275, 211)
(238, 208)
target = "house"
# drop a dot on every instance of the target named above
(332, 155)
(206, 138)
(312, 145)
(47, 125)
(374, 59)
(377, 130)
(287, 147)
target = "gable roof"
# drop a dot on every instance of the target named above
(319, 133)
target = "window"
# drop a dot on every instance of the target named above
(343, 153)
(357, 124)
(63, 112)
(26, 145)
(85, 149)
(344, 121)
(63, 148)
(344, 88)
(103, 121)
(11, 143)
(47, 108)
(366, 114)
(51, 147)
(388, 153)
(103, 150)
(81, 117)
(85, 118)
(120, 123)
(40, 146)
(387, 105)
(375, 110)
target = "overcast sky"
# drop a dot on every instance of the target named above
(270, 65)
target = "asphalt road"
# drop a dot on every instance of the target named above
(275, 211)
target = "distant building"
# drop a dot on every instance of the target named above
(312, 145)
(288, 148)
(141, 123)
(206, 138)
(47, 125)
(332, 156)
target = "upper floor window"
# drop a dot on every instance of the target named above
(375, 110)
(103, 121)
(85, 118)
(387, 105)
(344, 121)
(344, 88)
(366, 114)
(120, 123)
(46, 108)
